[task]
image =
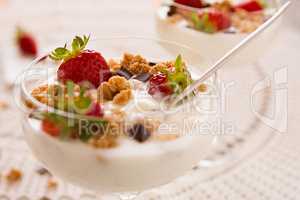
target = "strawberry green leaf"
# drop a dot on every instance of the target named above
(62, 53)
(79, 43)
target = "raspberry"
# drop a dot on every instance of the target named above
(158, 79)
(159, 85)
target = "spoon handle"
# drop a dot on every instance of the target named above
(230, 54)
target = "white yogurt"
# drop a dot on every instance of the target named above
(131, 166)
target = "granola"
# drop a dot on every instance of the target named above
(116, 89)
(161, 67)
(114, 65)
(3, 105)
(118, 83)
(247, 22)
(105, 92)
(202, 87)
(104, 143)
(122, 97)
(135, 64)
(52, 184)
(13, 176)
(166, 137)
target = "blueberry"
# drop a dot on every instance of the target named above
(139, 133)
(144, 77)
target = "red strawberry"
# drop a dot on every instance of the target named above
(191, 3)
(81, 65)
(26, 43)
(50, 128)
(211, 21)
(96, 110)
(251, 6)
(158, 85)
(220, 19)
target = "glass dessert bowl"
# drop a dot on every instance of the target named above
(99, 120)
(215, 26)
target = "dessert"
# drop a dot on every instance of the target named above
(100, 122)
(224, 16)
(218, 26)
(104, 95)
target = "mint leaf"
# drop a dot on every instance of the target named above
(197, 22)
(209, 27)
(178, 64)
(203, 23)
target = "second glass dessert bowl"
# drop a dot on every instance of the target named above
(97, 117)
(215, 26)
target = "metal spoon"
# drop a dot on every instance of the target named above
(230, 54)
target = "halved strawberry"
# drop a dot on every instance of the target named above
(81, 65)
(50, 128)
(211, 21)
(191, 3)
(26, 43)
(251, 6)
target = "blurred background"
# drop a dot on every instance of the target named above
(264, 171)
